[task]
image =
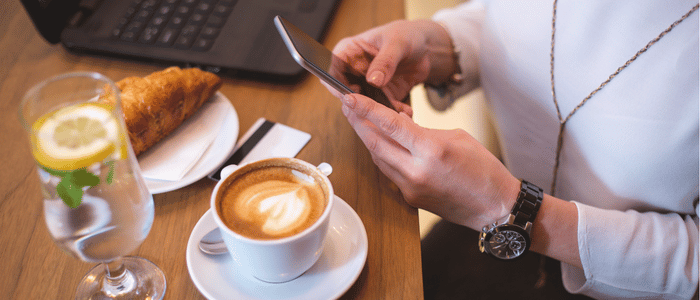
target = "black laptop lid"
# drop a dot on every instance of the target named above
(51, 16)
(247, 44)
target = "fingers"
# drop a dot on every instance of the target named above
(402, 107)
(374, 53)
(385, 151)
(372, 136)
(387, 124)
(355, 52)
(385, 62)
(378, 53)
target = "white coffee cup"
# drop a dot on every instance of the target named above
(283, 259)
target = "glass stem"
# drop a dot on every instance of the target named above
(115, 270)
(118, 280)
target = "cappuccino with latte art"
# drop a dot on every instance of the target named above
(271, 201)
(273, 215)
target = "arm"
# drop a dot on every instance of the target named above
(463, 24)
(474, 187)
(634, 254)
(555, 231)
(605, 252)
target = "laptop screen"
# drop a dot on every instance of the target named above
(232, 37)
(51, 16)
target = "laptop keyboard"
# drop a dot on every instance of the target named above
(183, 24)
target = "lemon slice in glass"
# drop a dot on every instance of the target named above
(75, 137)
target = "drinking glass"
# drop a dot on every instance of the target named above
(96, 204)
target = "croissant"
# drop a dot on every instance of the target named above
(155, 105)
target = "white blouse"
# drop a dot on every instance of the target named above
(630, 157)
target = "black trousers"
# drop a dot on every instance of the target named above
(453, 268)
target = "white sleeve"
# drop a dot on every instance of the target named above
(648, 255)
(463, 23)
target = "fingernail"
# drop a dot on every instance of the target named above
(377, 78)
(345, 109)
(349, 100)
(409, 112)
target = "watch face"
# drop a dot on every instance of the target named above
(507, 241)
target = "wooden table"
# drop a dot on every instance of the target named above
(33, 267)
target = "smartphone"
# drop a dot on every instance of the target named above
(321, 62)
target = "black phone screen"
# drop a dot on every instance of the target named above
(320, 61)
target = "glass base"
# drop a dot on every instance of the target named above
(141, 280)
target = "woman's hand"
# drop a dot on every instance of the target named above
(398, 56)
(444, 171)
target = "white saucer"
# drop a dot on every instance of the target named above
(343, 258)
(217, 153)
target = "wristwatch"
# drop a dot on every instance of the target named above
(510, 238)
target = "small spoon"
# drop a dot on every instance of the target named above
(213, 244)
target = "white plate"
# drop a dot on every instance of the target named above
(340, 264)
(220, 149)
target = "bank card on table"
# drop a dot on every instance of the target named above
(265, 139)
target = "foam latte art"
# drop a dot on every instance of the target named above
(272, 203)
(284, 206)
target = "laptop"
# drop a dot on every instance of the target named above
(234, 38)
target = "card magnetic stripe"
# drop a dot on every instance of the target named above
(247, 146)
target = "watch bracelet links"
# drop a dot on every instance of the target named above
(527, 204)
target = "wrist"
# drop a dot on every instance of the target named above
(496, 203)
(443, 56)
(505, 197)
(555, 233)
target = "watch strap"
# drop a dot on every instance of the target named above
(527, 204)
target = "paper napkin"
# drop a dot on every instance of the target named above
(265, 139)
(171, 158)
(280, 141)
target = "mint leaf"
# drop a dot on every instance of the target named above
(82, 178)
(70, 193)
(70, 188)
(110, 174)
